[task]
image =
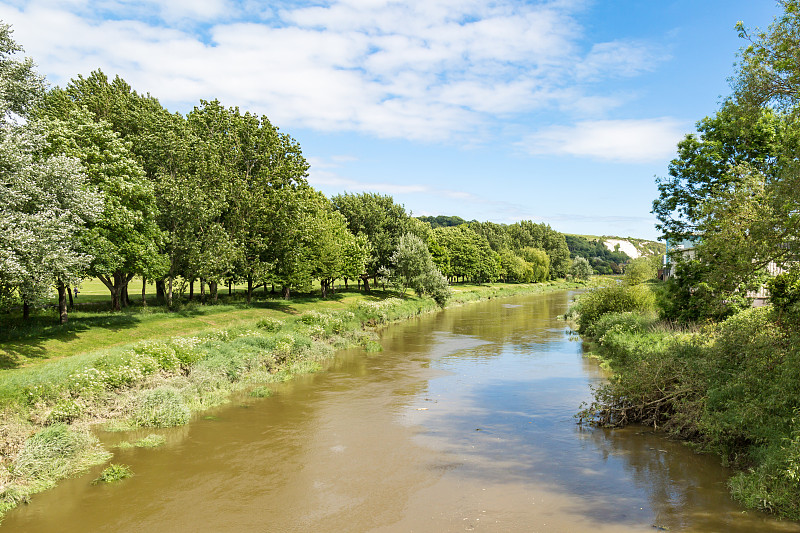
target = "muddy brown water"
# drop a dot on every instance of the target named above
(463, 423)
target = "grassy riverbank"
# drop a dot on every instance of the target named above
(157, 369)
(730, 388)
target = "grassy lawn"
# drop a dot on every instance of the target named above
(92, 326)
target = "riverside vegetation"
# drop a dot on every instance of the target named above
(48, 409)
(730, 387)
(691, 355)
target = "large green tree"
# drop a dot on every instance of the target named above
(706, 161)
(380, 220)
(124, 239)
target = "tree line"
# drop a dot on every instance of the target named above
(102, 181)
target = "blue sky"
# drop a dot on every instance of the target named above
(559, 111)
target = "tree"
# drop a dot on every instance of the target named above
(539, 262)
(45, 207)
(769, 73)
(515, 268)
(124, 238)
(528, 234)
(580, 269)
(380, 220)
(45, 202)
(640, 270)
(705, 163)
(412, 267)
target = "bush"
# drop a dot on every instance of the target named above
(616, 298)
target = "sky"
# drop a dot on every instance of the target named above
(556, 111)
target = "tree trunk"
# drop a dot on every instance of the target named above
(324, 286)
(123, 296)
(230, 288)
(285, 291)
(115, 305)
(191, 289)
(249, 289)
(365, 279)
(26, 310)
(144, 291)
(62, 302)
(202, 291)
(212, 288)
(161, 291)
(345, 283)
(169, 293)
(69, 294)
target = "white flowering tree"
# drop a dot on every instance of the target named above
(45, 201)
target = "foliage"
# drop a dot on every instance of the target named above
(616, 298)
(20, 86)
(45, 207)
(413, 267)
(580, 269)
(442, 221)
(381, 221)
(784, 292)
(124, 239)
(733, 388)
(470, 255)
(769, 73)
(641, 269)
(705, 165)
(688, 296)
(539, 262)
(527, 234)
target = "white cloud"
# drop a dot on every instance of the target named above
(619, 58)
(430, 70)
(323, 173)
(634, 141)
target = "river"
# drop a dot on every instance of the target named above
(464, 422)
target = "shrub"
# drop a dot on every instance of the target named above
(617, 298)
(66, 410)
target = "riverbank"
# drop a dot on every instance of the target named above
(50, 408)
(730, 388)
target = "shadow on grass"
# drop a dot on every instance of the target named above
(23, 341)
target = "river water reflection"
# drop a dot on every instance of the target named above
(463, 423)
